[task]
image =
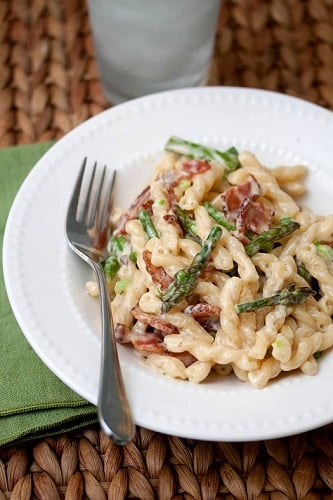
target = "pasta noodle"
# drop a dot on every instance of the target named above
(191, 306)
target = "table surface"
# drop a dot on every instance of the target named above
(49, 84)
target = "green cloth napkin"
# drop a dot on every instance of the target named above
(33, 402)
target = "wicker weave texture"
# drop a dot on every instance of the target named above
(49, 84)
(279, 45)
(49, 81)
(89, 465)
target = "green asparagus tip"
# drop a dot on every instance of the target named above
(228, 158)
(187, 224)
(266, 240)
(147, 224)
(287, 296)
(219, 217)
(185, 280)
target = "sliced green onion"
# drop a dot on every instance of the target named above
(186, 183)
(121, 286)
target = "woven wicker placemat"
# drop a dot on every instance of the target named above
(49, 84)
(49, 81)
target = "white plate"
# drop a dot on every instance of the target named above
(45, 281)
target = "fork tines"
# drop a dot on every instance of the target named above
(95, 190)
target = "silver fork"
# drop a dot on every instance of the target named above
(87, 230)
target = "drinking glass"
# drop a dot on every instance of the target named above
(147, 46)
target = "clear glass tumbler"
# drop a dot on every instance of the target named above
(146, 46)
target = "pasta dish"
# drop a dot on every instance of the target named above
(216, 267)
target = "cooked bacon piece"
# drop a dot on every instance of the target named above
(194, 167)
(122, 333)
(253, 216)
(147, 205)
(170, 219)
(207, 315)
(201, 310)
(154, 321)
(233, 197)
(170, 194)
(188, 170)
(240, 206)
(185, 357)
(143, 200)
(158, 274)
(148, 342)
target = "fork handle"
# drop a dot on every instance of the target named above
(113, 407)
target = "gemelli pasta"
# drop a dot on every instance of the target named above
(216, 268)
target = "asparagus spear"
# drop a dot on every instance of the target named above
(302, 271)
(116, 244)
(111, 266)
(326, 252)
(219, 217)
(228, 158)
(117, 247)
(187, 224)
(265, 241)
(186, 279)
(147, 224)
(287, 296)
